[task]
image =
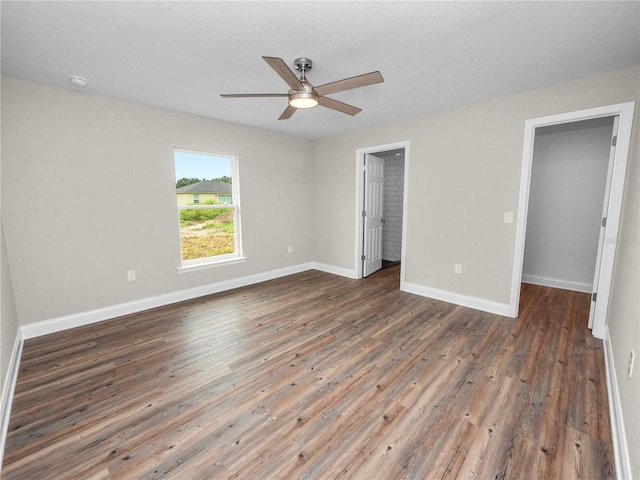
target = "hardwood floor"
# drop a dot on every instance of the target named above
(314, 376)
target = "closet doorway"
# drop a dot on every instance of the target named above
(569, 175)
(380, 199)
(610, 206)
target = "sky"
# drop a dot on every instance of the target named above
(197, 165)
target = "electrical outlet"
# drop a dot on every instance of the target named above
(131, 275)
(457, 268)
(290, 249)
(632, 357)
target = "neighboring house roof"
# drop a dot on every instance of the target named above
(206, 186)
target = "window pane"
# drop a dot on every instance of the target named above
(206, 232)
(205, 181)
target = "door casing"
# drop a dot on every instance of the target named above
(605, 211)
(359, 191)
(625, 112)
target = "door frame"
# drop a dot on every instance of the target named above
(625, 111)
(359, 203)
(604, 212)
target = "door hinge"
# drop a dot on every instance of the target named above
(364, 213)
(614, 141)
(363, 258)
(604, 221)
(594, 296)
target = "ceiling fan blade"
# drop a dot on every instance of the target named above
(287, 112)
(339, 106)
(285, 72)
(250, 95)
(349, 83)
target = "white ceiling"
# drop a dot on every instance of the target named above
(433, 55)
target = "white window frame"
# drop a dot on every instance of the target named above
(218, 260)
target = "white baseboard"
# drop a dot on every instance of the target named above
(459, 299)
(7, 390)
(343, 272)
(85, 318)
(619, 437)
(556, 283)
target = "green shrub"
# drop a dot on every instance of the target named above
(188, 217)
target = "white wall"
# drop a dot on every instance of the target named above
(568, 178)
(8, 314)
(464, 174)
(623, 317)
(9, 359)
(88, 192)
(8, 331)
(393, 192)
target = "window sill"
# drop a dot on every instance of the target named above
(213, 264)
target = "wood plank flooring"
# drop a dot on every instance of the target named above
(314, 376)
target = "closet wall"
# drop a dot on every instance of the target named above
(393, 196)
(568, 177)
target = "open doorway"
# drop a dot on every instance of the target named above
(380, 207)
(569, 176)
(610, 212)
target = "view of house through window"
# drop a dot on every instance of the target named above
(207, 206)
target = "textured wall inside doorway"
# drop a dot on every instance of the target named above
(393, 191)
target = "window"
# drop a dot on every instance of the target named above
(208, 207)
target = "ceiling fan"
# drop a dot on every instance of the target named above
(304, 95)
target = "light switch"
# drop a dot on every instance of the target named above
(508, 217)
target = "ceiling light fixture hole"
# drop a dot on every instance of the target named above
(78, 82)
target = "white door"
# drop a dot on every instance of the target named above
(373, 203)
(605, 210)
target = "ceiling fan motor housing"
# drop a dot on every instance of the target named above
(307, 98)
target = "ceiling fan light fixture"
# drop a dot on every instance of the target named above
(303, 100)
